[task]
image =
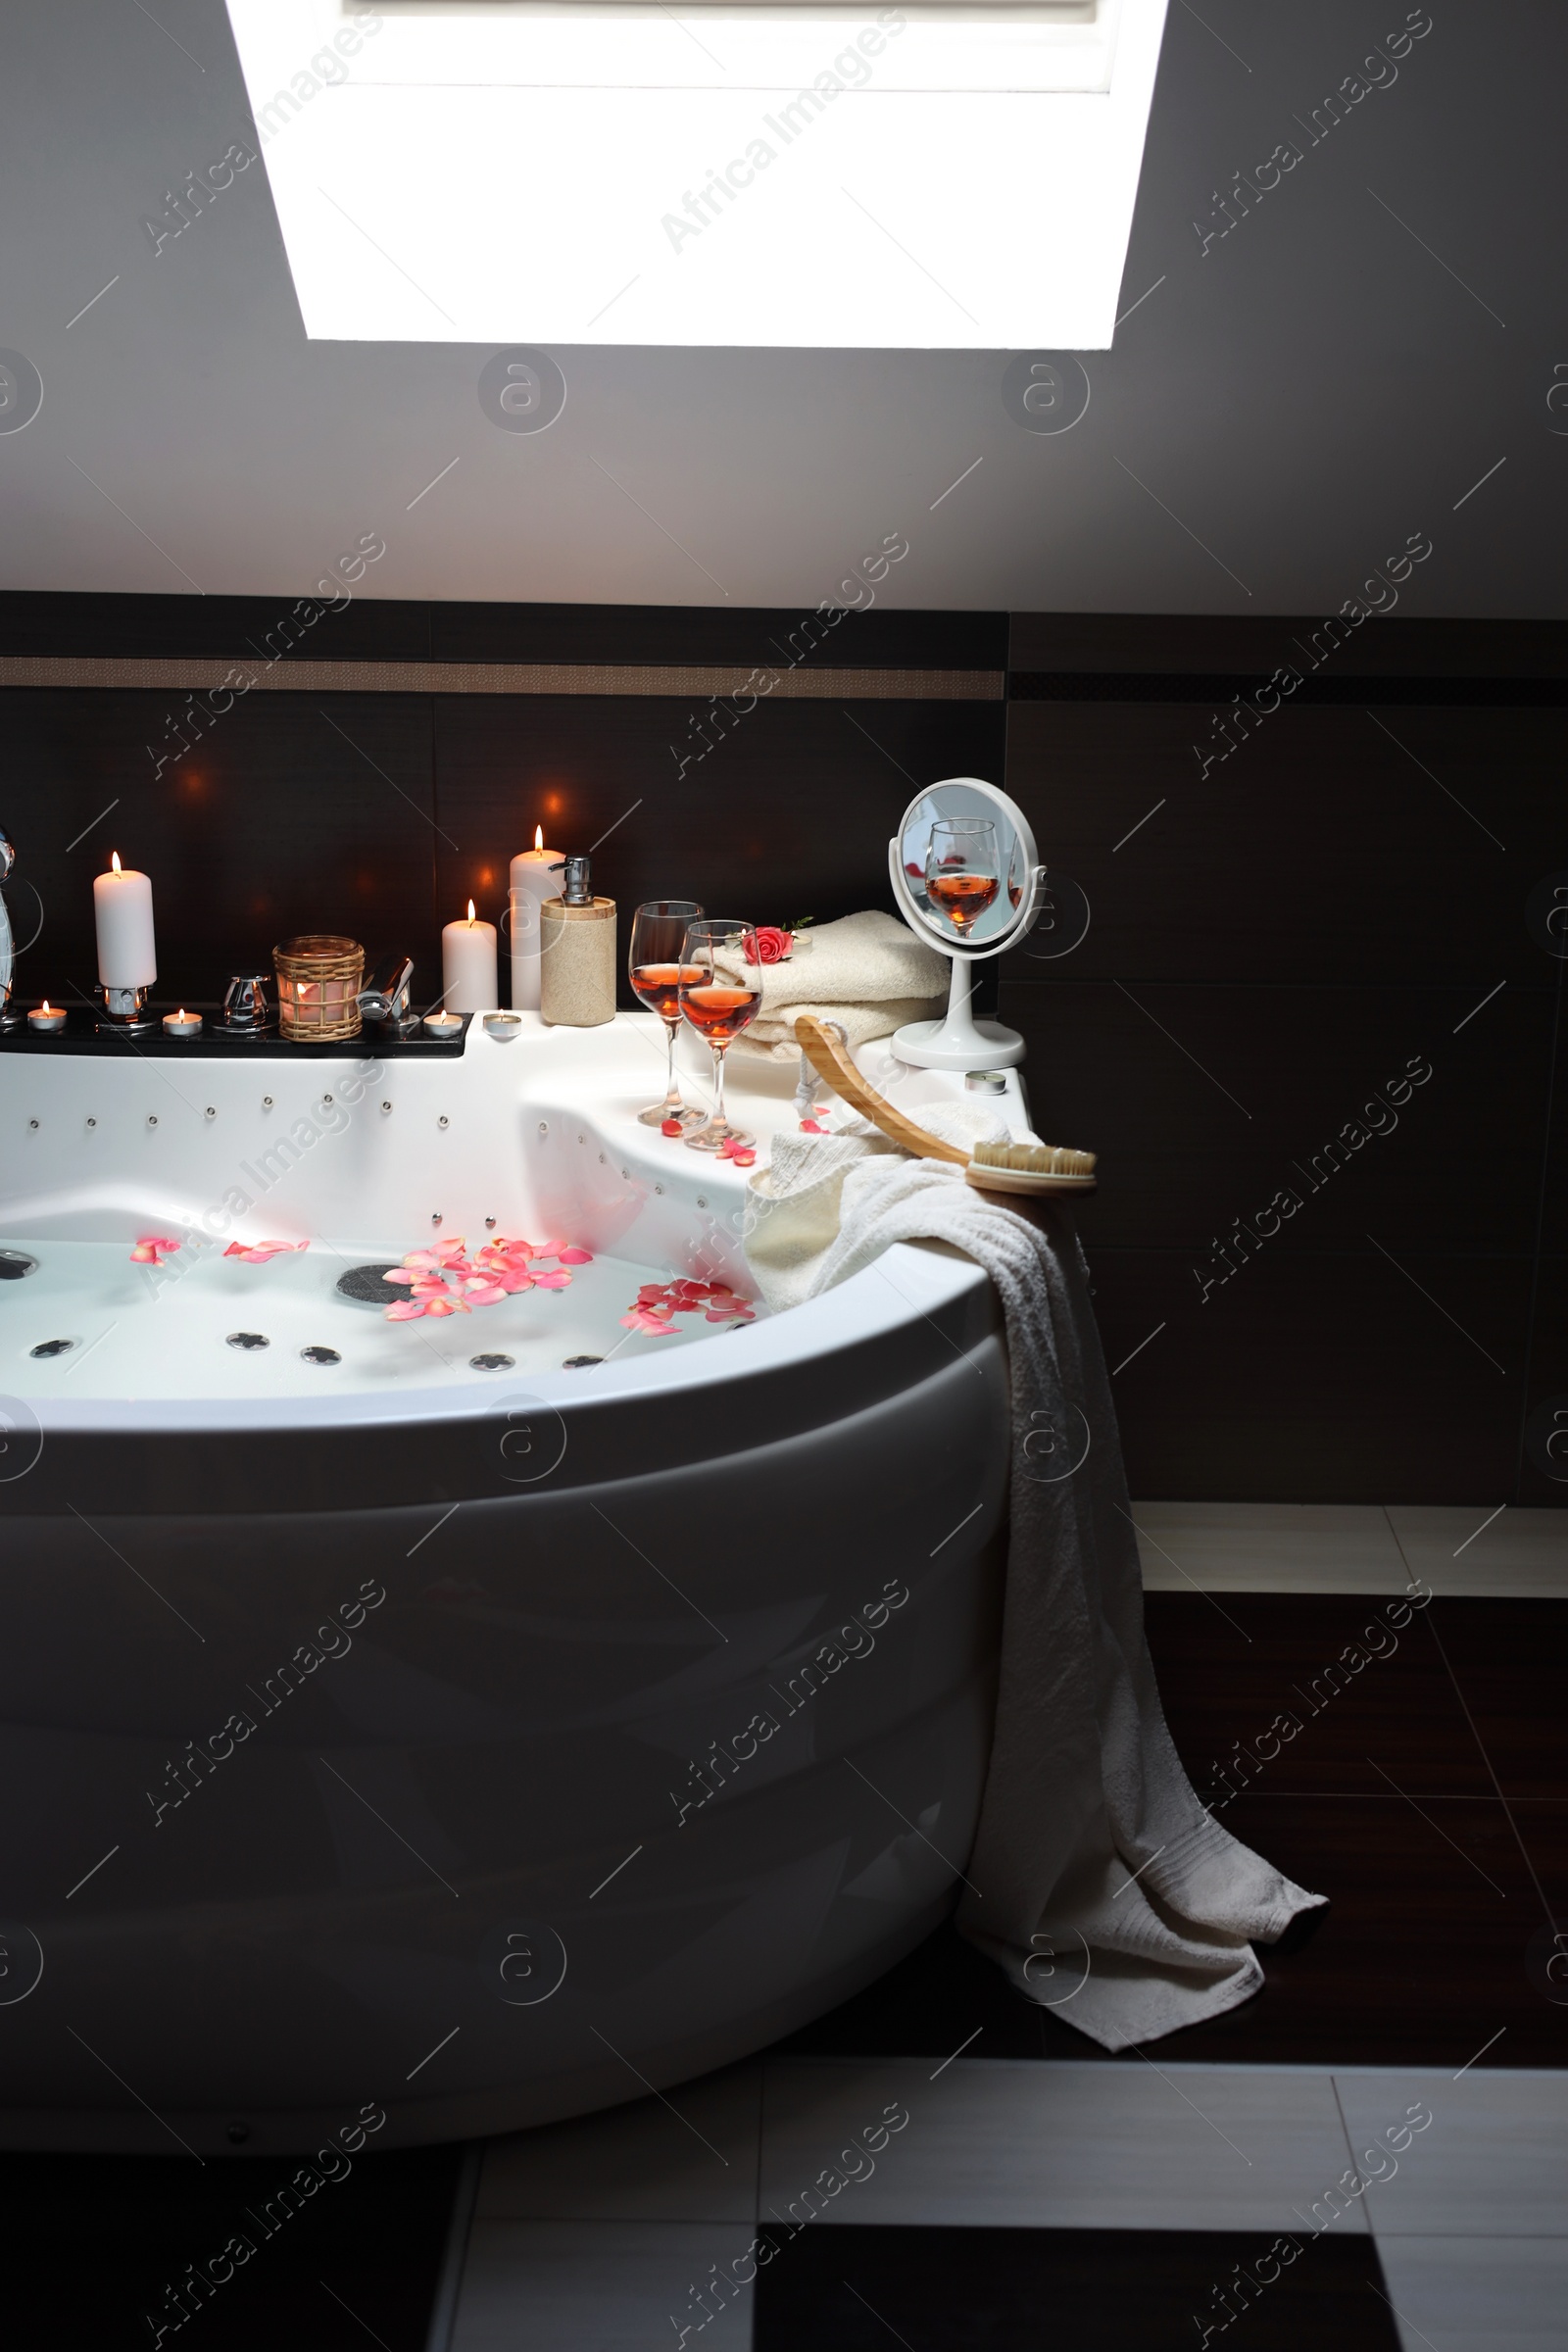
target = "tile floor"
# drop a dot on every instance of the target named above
(1374, 2152)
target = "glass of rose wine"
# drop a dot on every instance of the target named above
(721, 994)
(656, 966)
(962, 876)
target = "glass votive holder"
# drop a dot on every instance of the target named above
(319, 977)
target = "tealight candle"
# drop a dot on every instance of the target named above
(502, 1026)
(533, 882)
(182, 1023)
(468, 965)
(123, 912)
(443, 1024)
(47, 1021)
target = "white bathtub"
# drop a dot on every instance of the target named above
(461, 1866)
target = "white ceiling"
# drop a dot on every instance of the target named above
(1280, 411)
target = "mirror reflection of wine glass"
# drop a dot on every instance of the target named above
(656, 968)
(963, 875)
(721, 994)
(1015, 876)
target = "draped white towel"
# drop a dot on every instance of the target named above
(867, 971)
(1092, 1838)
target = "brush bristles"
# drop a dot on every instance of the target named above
(1035, 1160)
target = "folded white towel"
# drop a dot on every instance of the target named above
(1094, 1854)
(868, 971)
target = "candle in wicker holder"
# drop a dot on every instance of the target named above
(319, 978)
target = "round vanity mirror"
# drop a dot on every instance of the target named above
(966, 878)
(964, 867)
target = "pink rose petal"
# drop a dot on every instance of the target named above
(574, 1258)
(404, 1311)
(552, 1282)
(516, 1281)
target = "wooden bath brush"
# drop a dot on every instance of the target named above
(991, 1167)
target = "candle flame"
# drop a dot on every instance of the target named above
(470, 911)
(538, 837)
(47, 1006)
(114, 861)
(181, 1014)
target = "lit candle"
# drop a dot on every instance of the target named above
(122, 910)
(443, 1024)
(182, 1023)
(533, 882)
(48, 1020)
(468, 965)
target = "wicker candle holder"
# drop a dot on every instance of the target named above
(318, 980)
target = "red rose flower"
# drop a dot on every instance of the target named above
(772, 945)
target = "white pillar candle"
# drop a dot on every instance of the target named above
(468, 965)
(122, 910)
(533, 882)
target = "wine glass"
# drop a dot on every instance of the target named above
(963, 874)
(655, 968)
(721, 997)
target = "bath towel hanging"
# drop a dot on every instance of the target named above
(1091, 1838)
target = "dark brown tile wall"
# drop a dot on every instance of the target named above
(1270, 941)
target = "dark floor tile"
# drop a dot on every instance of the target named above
(853, 2289)
(95, 2241)
(1420, 1955)
(927, 2006)
(1360, 1691)
(1510, 1661)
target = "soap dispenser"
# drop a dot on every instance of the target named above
(577, 954)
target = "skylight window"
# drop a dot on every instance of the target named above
(954, 174)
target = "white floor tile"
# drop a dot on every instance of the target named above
(1492, 2163)
(1268, 1547)
(597, 2286)
(1016, 2143)
(1472, 2294)
(1523, 1556)
(692, 2160)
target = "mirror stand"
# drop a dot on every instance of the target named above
(958, 1042)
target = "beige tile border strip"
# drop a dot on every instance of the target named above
(76, 671)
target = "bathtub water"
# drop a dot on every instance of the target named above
(486, 1741)
(231, 1330)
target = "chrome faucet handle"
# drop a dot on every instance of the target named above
(245, 1005)
(386, 995)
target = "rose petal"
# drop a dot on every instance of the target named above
(404, 1311)
(448, 1305)
(392, 1274)
(669, 1127)
(516, 1281)
(574, 1258)
(486, 1295)
(144, 1255)
(551, 1282)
